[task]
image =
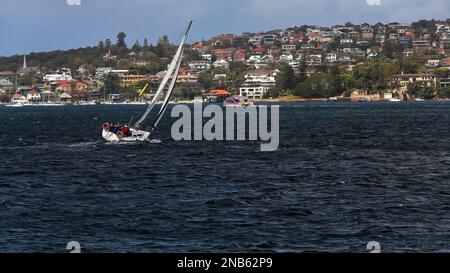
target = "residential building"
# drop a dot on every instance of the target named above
(444, 82)
(198, 66)
(367, 33)
(187, 79)
(269, 39)
(224, 54)
(33, 96)
(131, 79)
(221, 63)
(6, 85)
(421, 44)
(288, 48)
(260, 77)
(240, 55)
(421, 79)
(253, 92)
(6, 75)
(101, 72)
(331, 57)
(62, 74)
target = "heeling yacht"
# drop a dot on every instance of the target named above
(116, 133)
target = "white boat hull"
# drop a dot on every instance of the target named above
(137, 135)
(15, 105)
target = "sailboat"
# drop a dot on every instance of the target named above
(114, 133)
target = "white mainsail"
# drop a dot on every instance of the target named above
(172, 72)
(168, 96)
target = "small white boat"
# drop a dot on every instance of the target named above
(237, 101)
(136, 135)
(395, 100)
(15, 105)
(45, 104)
(420, 99)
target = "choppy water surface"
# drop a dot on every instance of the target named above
(345, 174)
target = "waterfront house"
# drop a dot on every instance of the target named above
(33, 95)
(65, 98)
(47, 96)
(253, 92)
(420, 79)
(18, 98)
(361, 95)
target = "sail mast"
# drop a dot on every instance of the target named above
(166, 78)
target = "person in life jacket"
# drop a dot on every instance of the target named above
(126, 131)
(114, 128)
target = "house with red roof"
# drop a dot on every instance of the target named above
(240, 55)
(258, 50)
(34, 95)
(224, 54)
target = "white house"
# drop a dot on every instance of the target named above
(33, 95)
(286, 57)
(331, 57)
(103, 71)
(207, 57)
(199, 65)
(254, 92)
(221, 63)
(62, 74)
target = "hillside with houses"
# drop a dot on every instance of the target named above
(341, 62)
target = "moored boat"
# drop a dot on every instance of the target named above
(237, 101)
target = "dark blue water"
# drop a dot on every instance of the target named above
(345, 174)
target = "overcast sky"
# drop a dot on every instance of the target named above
(32, 26)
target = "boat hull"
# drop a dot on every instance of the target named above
(137, 136)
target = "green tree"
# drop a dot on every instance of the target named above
(108, 43)
(146, 43)
(286, 80)
(319, 85)
(121, 39)
(137, 46)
